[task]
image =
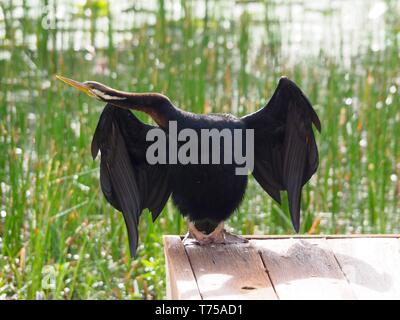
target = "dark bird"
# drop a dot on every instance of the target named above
(285, 158)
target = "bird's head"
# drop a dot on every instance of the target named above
(158, 106)
(97, 90)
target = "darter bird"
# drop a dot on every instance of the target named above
(285, 158)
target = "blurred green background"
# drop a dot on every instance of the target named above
(58, 236)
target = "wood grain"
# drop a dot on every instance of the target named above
(230, 272)
(286, 267)
(181, 283)
(372, 266)
(303, 269)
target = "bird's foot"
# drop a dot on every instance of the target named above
(195, 236)
(218, 236)
(225, 237)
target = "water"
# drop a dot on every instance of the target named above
(339, 28)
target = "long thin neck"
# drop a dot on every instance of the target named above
(156, 105)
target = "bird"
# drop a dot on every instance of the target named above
(285, 158)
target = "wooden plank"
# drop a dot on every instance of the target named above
(230, 272)
(320, 236)
(317, 236)
(181, 283)
(372, 266)
(303, 269)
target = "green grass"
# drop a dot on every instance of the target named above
(54, 219)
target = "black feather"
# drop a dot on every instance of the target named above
(286, 155)
(128, 183)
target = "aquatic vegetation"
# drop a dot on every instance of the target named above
(58, 236)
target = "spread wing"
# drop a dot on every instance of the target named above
(128, 182)
(286, 155)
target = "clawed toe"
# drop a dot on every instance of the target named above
(218, 236)
(225, 237)
(198, 239)
(231, 238)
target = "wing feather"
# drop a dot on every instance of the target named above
(286, 154)
(128, 182)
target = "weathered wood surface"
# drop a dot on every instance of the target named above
(371, 266)
(277, 267)
(306, 267)
(224, 273)
(181, 283)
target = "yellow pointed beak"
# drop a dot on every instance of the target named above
(77, 85)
